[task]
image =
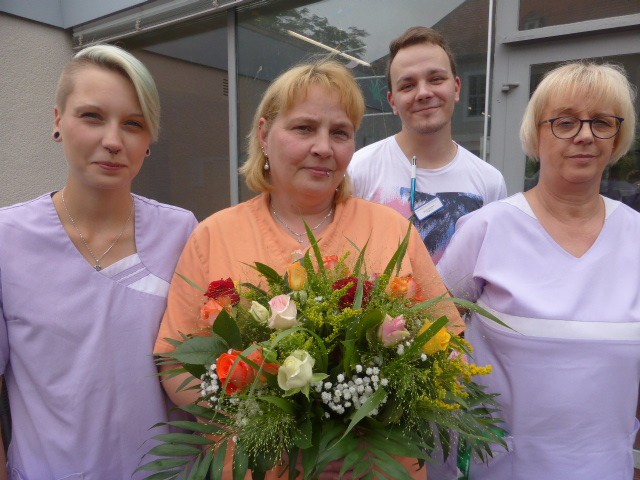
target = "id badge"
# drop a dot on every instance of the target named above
(428, 208)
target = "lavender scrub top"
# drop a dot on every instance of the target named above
(568, 378)
(76, 344)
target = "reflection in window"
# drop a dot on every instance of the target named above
(476, 95)
(273, 36)
(544, 13)
(189, 165)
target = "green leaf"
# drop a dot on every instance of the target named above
(396, 259)
(163, 475)
(174, 450)
(478, 309)
(303, 435)
(162, 464)
(219, 456)
(399, 445)
(190, 282)
(286, 406)
(199, 427)
(196, 371)
(371, 319)
(200, 350)
(201, 466)
(226, 326)
(392, 467)
(373, 402)
(324, 356)
(351, 460)
(316, 250)
(360, 260)
(255, 289)
(348, 359)
(240, 463)
(184, 438)
(357, 299)
(270, 274)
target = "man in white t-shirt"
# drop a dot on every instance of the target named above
(450, 180)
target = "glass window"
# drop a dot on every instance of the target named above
(476, 86)
(622, 180)
(276, 35)
(189, 165)
(545, 13)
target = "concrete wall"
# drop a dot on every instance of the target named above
(32, 56)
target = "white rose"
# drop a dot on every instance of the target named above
(296, 370)
(259, 312)
(283, 312)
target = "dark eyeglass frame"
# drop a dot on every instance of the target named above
(582, 122)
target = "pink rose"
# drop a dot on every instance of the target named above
(283, 312)
(392, 330)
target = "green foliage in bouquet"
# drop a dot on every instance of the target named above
(324, 365)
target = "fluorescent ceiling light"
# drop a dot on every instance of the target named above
(330, 49)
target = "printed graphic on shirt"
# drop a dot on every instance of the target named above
(437, 229)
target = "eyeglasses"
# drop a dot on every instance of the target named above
(602, 126)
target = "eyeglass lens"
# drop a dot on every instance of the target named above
(605, 126)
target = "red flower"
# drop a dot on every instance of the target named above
(349, 297)
(244, 374)
(220, 289)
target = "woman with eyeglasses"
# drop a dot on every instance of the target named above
(560, 264)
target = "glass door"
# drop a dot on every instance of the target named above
(525, 50)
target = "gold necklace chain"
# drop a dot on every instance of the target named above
(97, 265)
(299, 236)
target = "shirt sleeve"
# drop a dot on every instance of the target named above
(427, 276)
(458, 263)
(4, 335)
(185, 301)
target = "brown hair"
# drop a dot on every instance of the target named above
(416, 36)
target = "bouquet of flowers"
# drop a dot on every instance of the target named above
(326, 364)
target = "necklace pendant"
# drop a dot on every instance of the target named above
(97, 267)
(300, 240)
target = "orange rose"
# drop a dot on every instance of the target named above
(244, 374)
(210, 311)
(330, 261)
(297, 276)
(403, 287)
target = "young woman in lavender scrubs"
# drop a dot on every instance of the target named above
(84, 276)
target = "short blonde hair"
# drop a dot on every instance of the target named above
(602, 84)
(280, 97)
(118, 60)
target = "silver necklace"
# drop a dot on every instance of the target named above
(97, 265)
(300, 236)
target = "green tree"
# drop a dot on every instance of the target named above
(317, 28)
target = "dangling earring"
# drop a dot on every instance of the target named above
(266, 164)
(56, 135)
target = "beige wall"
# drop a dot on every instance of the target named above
(31, 58)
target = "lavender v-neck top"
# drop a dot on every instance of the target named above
(76, 344)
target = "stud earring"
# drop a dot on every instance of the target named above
(56, 135)
(148, 152)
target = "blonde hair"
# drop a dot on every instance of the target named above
(117, 60)
(280, 97)
(601, 84)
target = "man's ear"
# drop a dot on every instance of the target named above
(392, 103)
